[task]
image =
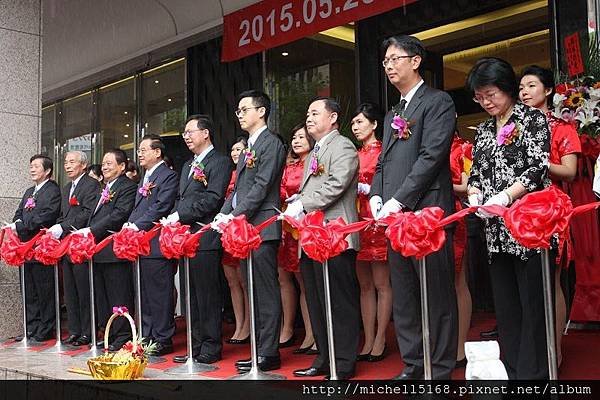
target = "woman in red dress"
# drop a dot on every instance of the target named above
(233, 274)
(288, 261)
(460, 165)
(372, 269)
(537, 90)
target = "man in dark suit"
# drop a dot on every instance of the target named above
(413, 173)
(334, 192)
(202, 187)
(112, 275)
(154, 200)
(78, 202)
(39, 208)
(255, 195)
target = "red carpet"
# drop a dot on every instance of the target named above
(581, 351)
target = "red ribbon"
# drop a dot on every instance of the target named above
(190, 245)
(13, 251)
(322, 241)
(81, 247)
(172, 240)
(129, 244)
(46, 249)
(239, 238)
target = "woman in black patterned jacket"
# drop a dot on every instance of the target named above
(510, 159)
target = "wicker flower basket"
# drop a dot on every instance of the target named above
(122, 365)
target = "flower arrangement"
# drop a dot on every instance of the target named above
(314, 167)
(250, 158)
(106, 196)
(146, 190)
(508, 134)
(73, 201)
(30, 203)
(401, 126)
(198, 173)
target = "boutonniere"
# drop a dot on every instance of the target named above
(30, 203)
(250, 158)
(106, 196)
(314, 167)
(73, 201)
(508, 134)
(198, 173)
(402, 127)
(146, 190)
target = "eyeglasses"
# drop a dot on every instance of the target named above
(393, 60)
(143, 151)
(481, 98)
(187, 133)
(242, 111)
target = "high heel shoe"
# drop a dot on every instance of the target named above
(288, 342)
(239, 341)
(363, 357)
(379, 357)
(302, 350)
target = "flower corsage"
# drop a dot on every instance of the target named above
(146, 190)
(198, 173)
(250, 158)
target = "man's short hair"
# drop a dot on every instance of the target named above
(331, 105)
(156, 142)
(46, 162)
(203, 121)
(83, 158)
(120, 155)
(259, 99)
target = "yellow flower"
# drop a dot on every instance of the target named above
(574, 100)
(596, 85)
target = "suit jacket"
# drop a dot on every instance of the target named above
(334, 190)
(201, 203)
(257, 188)
(76, 217)
(416, 171)
(156, 205)
(43, 215)
(112, 215)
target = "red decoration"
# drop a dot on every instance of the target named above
(129, 244)
(416, 234)
(45, 249)
(573, 54)
(73, 201)
(172, 239)
(13, 251)
(81, 247)
(534, 218)
(239, 237)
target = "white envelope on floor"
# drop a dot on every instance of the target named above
(483, 361)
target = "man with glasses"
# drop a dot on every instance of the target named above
(256, 195)
(202, 187)
(78, 202)
(154, 199)
(413, 173)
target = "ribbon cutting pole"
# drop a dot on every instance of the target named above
(190, 367)
(59, 347)
(25, 342)
(425, 319)
(330, 338)
(93, 351)
(549, 314)
(255, 373)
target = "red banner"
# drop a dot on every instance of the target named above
(269, 24)
(573, 55)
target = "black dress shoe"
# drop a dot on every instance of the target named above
(162, 349)
(243, 363)
(100, 344)
(341, 376)
(311, 352)
(206, 358)
(491, 334)
(71, 339)
(82, 341)
(461, 363)
(114, 348)
(287, 343)
(40, 338)
(410, 374)
(238, 341)
(379, 357)
(264, 364)
(312, 371)
(180, 359)
(302, 350)
(363, 357)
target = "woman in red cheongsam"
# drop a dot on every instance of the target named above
(372, 269)
(233, 274)
(460, 165)
(537, 90)
(287, 258)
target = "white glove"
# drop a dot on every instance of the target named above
(475, 199)
(171, 219)
(292, 198)
(390, 207)
(364, 188)
(294, 210)
(83, 231)
(56, 231)
(130, 225)
(220, 219)
(499, 199)
(375, 203)
(12, 226)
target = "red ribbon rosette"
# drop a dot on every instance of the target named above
(13, 251)
(190, 245)
(119, 310)
(81, 247)
(416, 234)
(239, 238)
(46, 249)
(534, 218)
(128, 244)
(172, 240)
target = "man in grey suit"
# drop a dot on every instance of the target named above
(329, 184)
(413, 173)
(256, 195)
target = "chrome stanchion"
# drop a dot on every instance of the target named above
(94, 351)
(549, 314)
(190, 367)
(255, 373)
(25, 343)
(59, 347)
(138, 308)
(330, 338)
(425, 319)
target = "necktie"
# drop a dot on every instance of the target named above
(191, 167)
(402, 106)
(72, 189)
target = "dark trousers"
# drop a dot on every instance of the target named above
(519, 303)
(345, 307)
(157, 280)
(443, 313)
(76, 283)
(39, 299)
(267, 297)
(206, 296)
(114, 287)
